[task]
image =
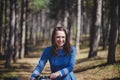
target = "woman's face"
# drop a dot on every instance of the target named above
(60, 38)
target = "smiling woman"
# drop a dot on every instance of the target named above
(61, 56)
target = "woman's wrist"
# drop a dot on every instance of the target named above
(32, 78)
(60, 74)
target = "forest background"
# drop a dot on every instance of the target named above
(93, 27)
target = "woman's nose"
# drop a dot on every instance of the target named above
(60, 39)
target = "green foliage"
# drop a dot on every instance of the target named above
(117, 66)
(55, 6)
(40, 4)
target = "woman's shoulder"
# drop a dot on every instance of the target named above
(48, 48)
(73, 47)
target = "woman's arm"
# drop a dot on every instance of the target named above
(40, 64)
(71, 65)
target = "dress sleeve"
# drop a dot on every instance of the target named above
(41, 64)
(71, 65)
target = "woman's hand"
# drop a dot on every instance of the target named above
(54, 75)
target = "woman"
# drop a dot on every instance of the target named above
(61, 56)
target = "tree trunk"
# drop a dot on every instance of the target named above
(6, 26)
(26, 30)
(43, 24)
(119, 23)
(23, 28)
(10, 50)
(34, 35)
(16, 32)
(95, 29)
(113, 31)
(78, 27)
(1, 21)
(70, 18)
(105, 24)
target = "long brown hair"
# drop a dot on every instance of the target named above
(66, 46)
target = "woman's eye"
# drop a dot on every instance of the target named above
(60, 36)
(57, 36)
(63, 36)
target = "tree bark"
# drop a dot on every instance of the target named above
(95, 29)
(78, 27)
(23, 28)
(10, 49)
(1, 22)
(113, 31)
(16, 32)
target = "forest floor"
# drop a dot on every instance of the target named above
(85, 69)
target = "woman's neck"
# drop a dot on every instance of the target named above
(61, 47)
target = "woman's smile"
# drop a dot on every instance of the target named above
(60, 38)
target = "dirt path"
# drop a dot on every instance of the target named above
(85, 69)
